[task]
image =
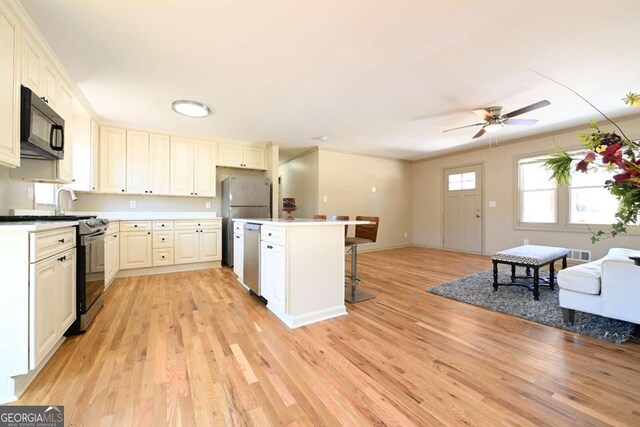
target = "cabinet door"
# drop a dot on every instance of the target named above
(9, 92)
(83, 149)
(43, 330)
(205, 169)
(50, 84)
(137, 162)
(160, 166)
(66, 276)
(186, 246)
(238, 255)
(230, 155)
(31, 66)
(277, 269)
(113, 161)
(254, 157)
(135, 250)
(210, 245)
(112, 257)
(95, 155)
(181, 171)
(65, 109)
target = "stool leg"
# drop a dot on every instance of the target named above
(352, 293)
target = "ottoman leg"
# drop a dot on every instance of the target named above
(495, 276)
(536, 284)
(564, 262)
(568, 315)
(513, 273)
(552, 272)
(528, 271)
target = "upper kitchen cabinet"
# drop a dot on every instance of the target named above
(193, 168)
(65, 109)
(148, 163)
(113, 160)
(242, 156)
(38, 74)
(9, 91)
(85, 149)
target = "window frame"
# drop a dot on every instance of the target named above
(520, 200)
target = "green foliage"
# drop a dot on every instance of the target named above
(560, 166)
(632, 99)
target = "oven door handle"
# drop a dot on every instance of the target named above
(92, 238)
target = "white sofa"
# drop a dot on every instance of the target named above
(608, 287)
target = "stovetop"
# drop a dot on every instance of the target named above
(23, 218)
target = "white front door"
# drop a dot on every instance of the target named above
(463, 209)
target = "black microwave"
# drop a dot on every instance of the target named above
(41, 128)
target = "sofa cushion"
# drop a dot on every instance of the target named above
(622, 253)
(583, 278)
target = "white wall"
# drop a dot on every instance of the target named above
(500, 181)
(299, 178)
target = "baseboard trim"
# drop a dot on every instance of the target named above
(293, 321)
(167, 269)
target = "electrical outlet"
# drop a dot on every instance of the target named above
(406, 235)
(325, 198)
(208, 205)
(526, 241)
(374, 189)
(132, 204)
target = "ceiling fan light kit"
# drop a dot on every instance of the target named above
(494, 120)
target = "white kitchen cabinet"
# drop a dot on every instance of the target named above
(49, 84)
(135, 249)
(65, 109)
(42, 310)
(9, 91)
(31, 65)
(186, 246)
(52, 303)
(192, 171)
(138, 164)
(210, 245)
(273, 280)
(242, 156)
(160, 167)
(85, 149)
(238, 256)
(111, 253)
(113, 160)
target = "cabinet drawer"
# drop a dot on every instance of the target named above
(162, 239)
(47, 243)
(277, 235)
(162, 257)
(197, 224)
(114, 227)
(238, 228)
(163, 225)
(135, 225)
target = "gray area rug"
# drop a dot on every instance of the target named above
(477, 289)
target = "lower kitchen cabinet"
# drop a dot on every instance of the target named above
(52, 303)
(111, 254)
(135, 249)
(273, 279)
(238, 255)
(197, 241)
(187, 246)
(210, 245)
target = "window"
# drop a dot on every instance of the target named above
(589, 201)
(538, 192)
(462, 181)
(44, 194)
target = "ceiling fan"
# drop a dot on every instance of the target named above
(494, 119)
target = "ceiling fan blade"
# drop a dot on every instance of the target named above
(482, 113)
(462, 127)
(528, 108)
(479, 134)
(526, 122)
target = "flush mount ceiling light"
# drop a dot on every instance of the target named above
(191, 108)
(493, 127)
(320, 138)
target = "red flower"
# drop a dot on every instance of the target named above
(613, 154)
(584, 164)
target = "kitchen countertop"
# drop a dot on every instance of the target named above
(35, 225)
(128, 216)
(280, 222)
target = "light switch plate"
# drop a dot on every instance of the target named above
(324, 198)
(492, 204)
(374, 189)
(132, 204)
(208, 205)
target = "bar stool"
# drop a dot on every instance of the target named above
(366, 234)
(320, 217)
(341, 218)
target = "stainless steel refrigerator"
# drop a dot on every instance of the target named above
(242, 197)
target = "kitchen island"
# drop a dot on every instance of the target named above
(301, 267)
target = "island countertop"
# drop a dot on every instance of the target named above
(280, 222)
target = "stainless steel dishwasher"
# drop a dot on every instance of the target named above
(251, 266)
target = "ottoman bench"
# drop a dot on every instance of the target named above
(532, 257)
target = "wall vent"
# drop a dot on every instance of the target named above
(579, 255)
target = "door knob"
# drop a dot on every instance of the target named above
(477, 215)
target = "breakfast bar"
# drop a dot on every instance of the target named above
(301, 267)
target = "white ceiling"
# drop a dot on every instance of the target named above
(375, 76)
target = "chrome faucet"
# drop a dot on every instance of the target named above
(59, 191)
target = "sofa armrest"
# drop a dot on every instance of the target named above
(621, 289)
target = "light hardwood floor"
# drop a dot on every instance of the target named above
(194, 349)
